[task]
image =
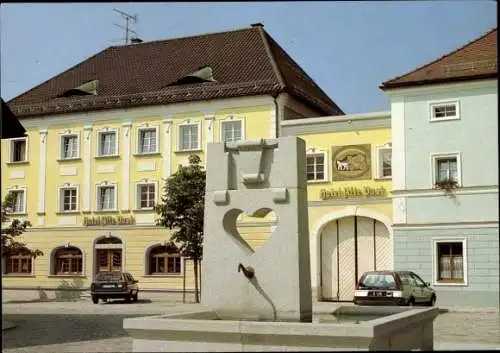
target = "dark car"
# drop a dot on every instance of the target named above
(112, 285)
(393, 288)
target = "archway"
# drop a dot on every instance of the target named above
(349, 243)
(108, 254)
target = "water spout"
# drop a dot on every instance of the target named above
(249, 272)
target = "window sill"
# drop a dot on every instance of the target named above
(383, 178)
(18, 275)
(186, 151)
(66, 276)
(450, 284)
(18, 213)
(436, 120)
(106, 211)
(146, 154)
(164, 276)
(110, 156)
(62, 213)
(318, 181)
(18, 163)
(145, 210)
(76, 159)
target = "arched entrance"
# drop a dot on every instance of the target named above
(108, 254)
(349, 246)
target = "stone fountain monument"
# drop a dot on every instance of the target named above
(261, 300)
(255, 178)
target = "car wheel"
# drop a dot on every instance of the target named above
(432, 301)
(95, 299)
(411, 302)
(135, 297)
(128, 298)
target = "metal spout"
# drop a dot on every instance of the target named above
(249, 272)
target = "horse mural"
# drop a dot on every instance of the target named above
(352, 162)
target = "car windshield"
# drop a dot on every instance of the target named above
(109, 276)
(378, 280)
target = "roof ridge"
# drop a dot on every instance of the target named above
(185, 37)
(304, 73)
(441, 57)
(264, 36)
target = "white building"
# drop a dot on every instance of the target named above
(444, 119)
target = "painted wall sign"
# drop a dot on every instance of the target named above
(352, 192)
(108, 220)
(351, 162)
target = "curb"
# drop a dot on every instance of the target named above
(447, 346)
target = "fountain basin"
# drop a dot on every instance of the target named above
(347, 328)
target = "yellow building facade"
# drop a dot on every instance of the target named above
(88, 182)
(350, 208)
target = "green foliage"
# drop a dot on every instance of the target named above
(10, 246)
(181, 208)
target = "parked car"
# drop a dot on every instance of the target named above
(393, 288)
(111, 285)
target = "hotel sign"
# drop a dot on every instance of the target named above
(352, 192)
(108, 220)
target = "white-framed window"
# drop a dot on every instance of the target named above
(189, 136)
(69, 146)
(232, 129)
(68, 198)
(444, 110)
(147, 140)
(449, 261)
(106, 197)
(384, 162)
(146, 195)
(107, 142)
(317, 165)
(19, 204)
(446, 167)
(19, 150)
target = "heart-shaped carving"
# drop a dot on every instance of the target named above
(250, 231)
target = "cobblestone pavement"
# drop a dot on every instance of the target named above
(468, 327)
(83, 327)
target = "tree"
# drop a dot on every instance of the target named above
(10, 246)
(181, 209)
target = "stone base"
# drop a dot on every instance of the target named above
(203, 331)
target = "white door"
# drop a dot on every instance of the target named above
(347, 278)
(366, 245)
(329, 279)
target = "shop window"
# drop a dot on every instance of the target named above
(67, 261)
(164, 260)
(18, 265)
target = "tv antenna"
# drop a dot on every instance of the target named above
(128, 19)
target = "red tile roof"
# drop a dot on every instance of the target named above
(475, 60)
(244, 62)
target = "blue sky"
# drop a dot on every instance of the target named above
(348, 48)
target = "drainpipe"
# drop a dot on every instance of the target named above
(278, 121)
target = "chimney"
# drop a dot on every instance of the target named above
(136, 40)
(258, 24)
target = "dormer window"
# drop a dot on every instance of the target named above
(203, 74)
(86, 89)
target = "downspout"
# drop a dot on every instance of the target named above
(277, 111)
